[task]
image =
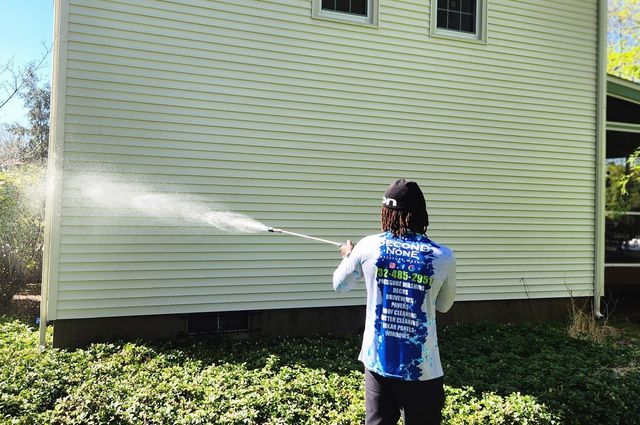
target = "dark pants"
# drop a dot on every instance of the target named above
(421, 402)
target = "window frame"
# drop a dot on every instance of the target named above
(370, 20)
(480, 35)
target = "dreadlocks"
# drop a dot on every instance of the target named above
(400, 222)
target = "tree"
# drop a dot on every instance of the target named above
(13, 79)
(21, 228)
(623, 48)
(632, 175)
(10, 150)
(23, 150)
(34, 139)
(623, 186)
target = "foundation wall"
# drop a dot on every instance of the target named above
(73, 333)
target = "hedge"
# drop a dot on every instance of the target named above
(495, 374)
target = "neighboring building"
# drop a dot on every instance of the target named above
(622, 259)
(299, 114)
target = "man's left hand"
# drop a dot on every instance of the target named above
(346, 248)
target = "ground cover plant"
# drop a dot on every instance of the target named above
(511, 374)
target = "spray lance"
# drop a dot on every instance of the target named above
(276, 230)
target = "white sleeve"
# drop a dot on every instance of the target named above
(349, 271)
(447, 292)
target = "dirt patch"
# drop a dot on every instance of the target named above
(621, 371)
(25, 305)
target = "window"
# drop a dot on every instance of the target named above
(622, 220)
(465, 19)
(358, 7)
(622, 211)
(363, 12)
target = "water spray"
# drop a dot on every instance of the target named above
(108, 193)
(276, 230)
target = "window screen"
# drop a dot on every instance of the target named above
(457, 15)
(356, 7)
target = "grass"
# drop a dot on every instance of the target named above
(526, 373)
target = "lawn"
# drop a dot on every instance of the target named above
(526, 373)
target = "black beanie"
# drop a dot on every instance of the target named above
(405, 195)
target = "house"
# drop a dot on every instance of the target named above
(299, 113)
(622, 232)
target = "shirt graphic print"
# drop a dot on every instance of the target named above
(404, 275)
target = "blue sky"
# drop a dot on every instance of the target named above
(24, 26)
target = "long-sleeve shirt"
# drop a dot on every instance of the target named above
(407, 279)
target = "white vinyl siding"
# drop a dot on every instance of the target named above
(301, 124)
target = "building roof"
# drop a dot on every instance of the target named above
(622, 88)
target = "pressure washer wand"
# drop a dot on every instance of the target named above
(276, 230)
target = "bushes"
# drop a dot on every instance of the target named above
(575, 378)
(465, 407)
(134, 384)
(21, 228)
(496, 374)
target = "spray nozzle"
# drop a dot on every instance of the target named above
(274, 230)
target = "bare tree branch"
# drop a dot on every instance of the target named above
(19, 76)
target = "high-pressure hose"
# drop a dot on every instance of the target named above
(276, 230)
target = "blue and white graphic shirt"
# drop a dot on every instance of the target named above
(407, 278)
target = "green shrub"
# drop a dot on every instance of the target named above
(21, 228)
(495, 374)
(575, 378)
(465, 407)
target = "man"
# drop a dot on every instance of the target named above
(408, 277)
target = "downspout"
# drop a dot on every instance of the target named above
(601, 156)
